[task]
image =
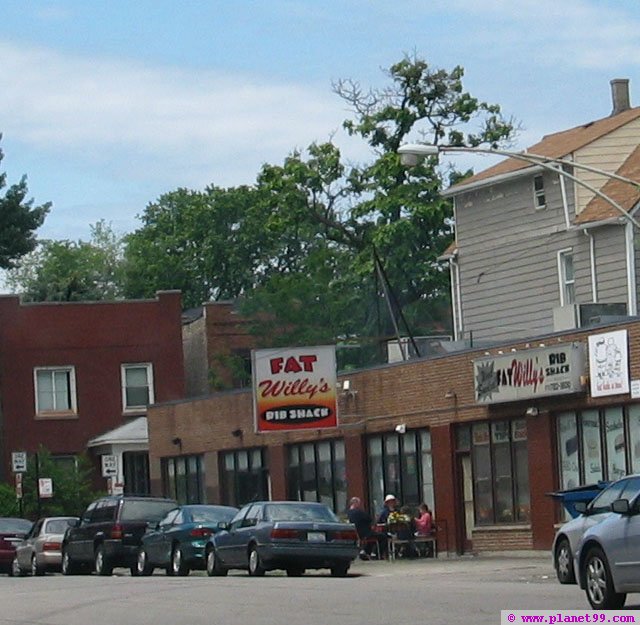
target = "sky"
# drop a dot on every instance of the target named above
(105, 105)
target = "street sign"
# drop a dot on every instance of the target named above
(19, 461)
(109, 466)
(45, 487)
(115, 487)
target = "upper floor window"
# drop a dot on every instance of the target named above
(137, 386)
(538, 192)
(55, 390)
(566, 277)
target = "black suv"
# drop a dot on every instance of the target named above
(109, 533)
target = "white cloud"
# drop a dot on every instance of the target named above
(182, 121)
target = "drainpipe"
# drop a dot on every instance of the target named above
(631, 270)
(592, 262)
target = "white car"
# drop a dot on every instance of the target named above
(569, 535)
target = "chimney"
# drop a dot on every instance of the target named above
(620, 95)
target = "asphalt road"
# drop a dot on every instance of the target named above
(443, 591)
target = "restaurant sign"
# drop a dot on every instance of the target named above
(541, 372)
(294, 388)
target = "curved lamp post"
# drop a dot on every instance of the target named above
(412, 153)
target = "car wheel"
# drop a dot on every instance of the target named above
(103, 565)
(598, 583)
(36, 570)
(68, 567)
(295, 572)
(15, 570)
(340, 570)
(564, 563)
(214, 565)
(142, 564)
(178, 565)
(256, 569)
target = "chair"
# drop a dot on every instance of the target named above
(363, 543)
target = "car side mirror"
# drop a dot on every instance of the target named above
(580, 506)
(224, 525)
(73, 523)
(621, 506)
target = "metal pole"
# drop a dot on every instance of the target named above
(38, 486)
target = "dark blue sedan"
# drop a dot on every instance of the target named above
(177, 543)
(289, 535)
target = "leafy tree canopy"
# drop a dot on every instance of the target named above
(69, 271)
(19, 220)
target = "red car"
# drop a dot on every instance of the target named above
(12, 531)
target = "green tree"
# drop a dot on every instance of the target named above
(204, 243)
(380, 210)
(71, 271)
(19, 220)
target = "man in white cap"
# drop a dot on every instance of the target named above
(390, 503)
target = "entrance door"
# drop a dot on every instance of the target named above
(466, 488)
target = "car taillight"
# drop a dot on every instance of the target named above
(200, 532)
(116, 532)
(345, 535)
(51, 547)
(284, 533)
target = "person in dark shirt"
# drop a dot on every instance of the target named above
(362, 521)
(390, 503)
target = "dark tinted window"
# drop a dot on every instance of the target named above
(141, 510)
(14, 526)
(298, 512)
(105, 511)
(212, 514)
(631, 489)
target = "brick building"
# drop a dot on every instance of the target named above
(72, 373)
(430, 430)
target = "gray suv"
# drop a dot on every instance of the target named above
(109, 533)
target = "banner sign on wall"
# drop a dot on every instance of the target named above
(294, 388)
(530, 373)
(609, 363)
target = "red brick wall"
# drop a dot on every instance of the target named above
(437, 393)
(96, 338)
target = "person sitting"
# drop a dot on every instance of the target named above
(362, 522)
(390, 503)
(424, 521)
(424, 527)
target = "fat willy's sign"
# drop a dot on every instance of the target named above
(554, 370)
(294, 388)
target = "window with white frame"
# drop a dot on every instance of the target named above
(55, 390)
(137, 386)
(566, 277)
(538, 192)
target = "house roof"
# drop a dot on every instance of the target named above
(134, 431)
(623, 193)
(557, 145)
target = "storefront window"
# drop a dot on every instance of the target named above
(598, 445)
(317, 473)
(243, 477)
(400, 464)
(183, 478)
(500, 472)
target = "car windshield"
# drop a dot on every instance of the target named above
(14, 526)
(58, 526)
(298, 512)
(140, 510)
(212, 514)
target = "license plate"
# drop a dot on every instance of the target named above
(316, 537)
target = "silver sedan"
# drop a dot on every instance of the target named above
(39, 552)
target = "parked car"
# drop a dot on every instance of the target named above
(569, 535)
(40, 552)
(177, 543)
(12, 531)
(289, 535)
(608, 556)
(109, 533)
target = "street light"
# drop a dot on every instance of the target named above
(412, 153)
